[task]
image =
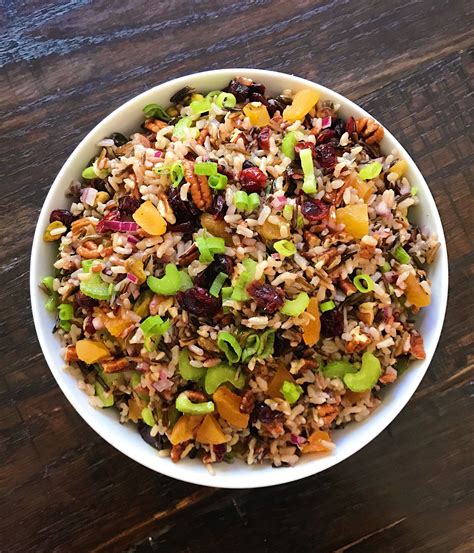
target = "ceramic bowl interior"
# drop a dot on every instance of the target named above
(126, 119)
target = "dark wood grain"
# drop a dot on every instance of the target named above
(64, 66)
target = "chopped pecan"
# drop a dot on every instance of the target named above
(208, 345)
(71, 354)
(274, 429)
(202, 137)
(369, 129)
(416, 346)
(200, 191)
(347, 287)
(247, 402)
(187, 257)
(366, 312)
(177, 451)
(335, 196)
(309, 365)
(82, 224)
(115, 365)
(88, 250)
(311, 239)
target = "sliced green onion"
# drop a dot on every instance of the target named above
(414, 190)
(147, 416)
(288, 144)
(299, 221)
(89, 173)
(401, 255)
(96, 288)
(309, 182)
(226, 100)
(288, 212)
(107, 399)
(229, 345)
(169, 284)
(208, 246)
(216, 376)
(253, 201)
(366, 378)
(216, 286)
(153, 328)
(205, 168)
(180, 128)
(185, 281)
(186, 370)
(241, 200)
(186, 406)
(370, 171)
(217, 182)
(240, 289)
(155, 111)
(291, 392)
(65, 312)
(162, 170)
(48, 282)
(211, 96)
(200, 106)
(267, 343)
(385, 268)
(363, 283)
(176, 173)
(295, 307)
(226, 294)
(337, 369)
(252, 345)
(327, 306)
(285, 248)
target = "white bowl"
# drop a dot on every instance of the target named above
(125, 438)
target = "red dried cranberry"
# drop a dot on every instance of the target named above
(113, 215)
(184, 211)
(89, 326)
(274, 105)
(257, 88)
(218, 207)
(339, 127)
(332, 323)
(85, 301)
(257, 97)
(314, 210)
(127, 205)
(267, 297)
(265, 414)
(185, 228)
(199, 302)
(326, 155)
(325, 135)
(264, 139)
(350, 125)
(221, 264)
(281, 345)
(239, 90)
(252, 179)
(159, 442)
(219, 450)
(62, 215)
(303, 146)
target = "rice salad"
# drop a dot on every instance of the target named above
(240, 277)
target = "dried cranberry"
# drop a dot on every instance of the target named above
(219, 450)
(294, 171)
(264, 139)
(127, 205)
(281, 345)
(239, 90)
(85, 301)
(339, 127)
(274, 105)
(332, 323)
(304, 146)
(62, 215)
(221, 264)
(185, 228)
(184, 211)
(89, 326)
(199, 302)
(325, 135)
(257, 97)
(113, 215)
(265, 414)
(257, 88)
(247, 164)
(218, 207)
(314, 210)
(252, 179)
(159, 442)
(350, 125)
(326, 155)
(268, 297)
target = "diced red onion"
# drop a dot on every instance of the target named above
(278, 201)
(132, 278)
(121, 226)
(164, 383)
(106, 143)
(382, 209)
(158, 153)
(133, 239)
(297, 440)
(326, 122)
(143, 366)
(88, 195)
(404, 189)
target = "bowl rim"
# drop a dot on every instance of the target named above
(230, 480)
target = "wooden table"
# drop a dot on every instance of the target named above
(68, 63)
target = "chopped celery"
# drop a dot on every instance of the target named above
(186, 370)
(215, 376)
(366, 378)
(186, 406)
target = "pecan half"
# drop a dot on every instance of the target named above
(177, 451)
(200, 191)
(115, 365)
(369, 129)
(88, 250)
(247, 402)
